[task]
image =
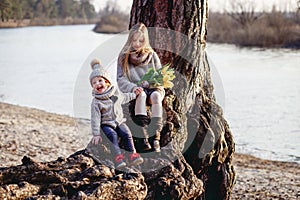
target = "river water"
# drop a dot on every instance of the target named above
(259, 90)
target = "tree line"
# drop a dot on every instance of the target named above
(243, 26)
(46, 9)
(112, 19)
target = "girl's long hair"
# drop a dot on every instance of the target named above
(128, 49)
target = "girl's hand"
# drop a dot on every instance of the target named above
(145, 84)
(138, 90)
(96, 139)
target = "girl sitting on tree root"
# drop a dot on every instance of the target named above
(135, 59)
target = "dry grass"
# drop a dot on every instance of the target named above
(112, 23)
(270, 30)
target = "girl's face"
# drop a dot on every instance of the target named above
(100, 84)
(138, 41)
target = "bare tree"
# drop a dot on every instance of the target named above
(4, 7)
(243, 12)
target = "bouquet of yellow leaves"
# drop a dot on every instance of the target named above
(161, 77)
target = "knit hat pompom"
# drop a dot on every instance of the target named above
(95, 63)
(98, 70)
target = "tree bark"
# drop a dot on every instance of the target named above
(203, 135)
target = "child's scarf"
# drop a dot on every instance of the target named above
(138, 59)
(106, 95)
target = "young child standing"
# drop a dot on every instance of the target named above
(107, 113)
(136, 57)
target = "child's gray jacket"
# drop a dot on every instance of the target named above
(106, 108)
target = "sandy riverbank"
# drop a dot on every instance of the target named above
(45, 136)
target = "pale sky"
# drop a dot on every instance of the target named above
(219, 5)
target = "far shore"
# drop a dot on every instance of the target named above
(46, 22)
(260, 34)
(46, 136)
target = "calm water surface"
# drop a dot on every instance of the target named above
(259, 90)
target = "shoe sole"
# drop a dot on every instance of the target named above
(137, 162)
(122, 165)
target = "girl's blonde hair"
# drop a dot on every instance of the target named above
(128, 49)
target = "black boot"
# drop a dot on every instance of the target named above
(141, 120)
(155, 128)
(145, 143)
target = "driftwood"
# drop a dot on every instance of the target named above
(85, 175)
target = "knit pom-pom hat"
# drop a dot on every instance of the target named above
(98, 70)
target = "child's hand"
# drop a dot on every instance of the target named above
(138, 90)
(145, 84)
(96, 139)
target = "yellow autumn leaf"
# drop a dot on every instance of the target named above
(166, 78)
(168, 84)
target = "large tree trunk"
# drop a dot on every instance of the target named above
(197, 145)
(203, 135)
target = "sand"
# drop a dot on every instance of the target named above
(45, 136)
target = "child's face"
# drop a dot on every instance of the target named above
(100, 84)
(138, 41)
